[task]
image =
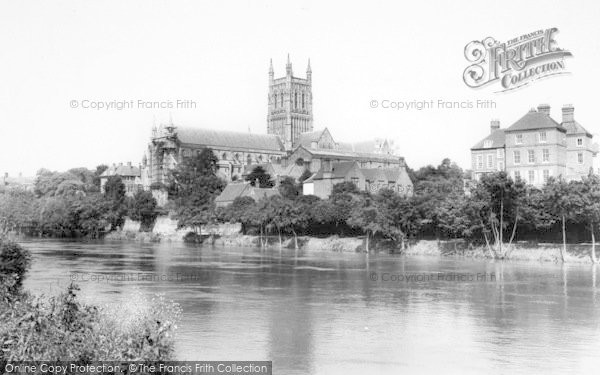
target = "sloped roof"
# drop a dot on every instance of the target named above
(573, 127)
(373, 174)
(392, 174)
(370, 146)
(229, 139)
(498, 138)
(535, 120)
(276, 170)
(121, 170)
(232, 191)
(310, 179)
(351, 154)
(338, 170)
(236, 189)
(305, 139)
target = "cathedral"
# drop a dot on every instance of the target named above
(290, 147)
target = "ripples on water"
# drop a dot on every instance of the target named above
(324, 313)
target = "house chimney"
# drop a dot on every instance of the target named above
(129, 164)
(544, 108)
(568, 112)
(494, 125)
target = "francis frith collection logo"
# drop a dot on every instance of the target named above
(515, 63)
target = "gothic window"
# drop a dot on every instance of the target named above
(224, 156)
(302, 100)
(275, 100)
(295, 100)
(282, 99)
(249, 159)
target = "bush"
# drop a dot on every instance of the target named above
(14, 263)
(143, 209)
(61, 328)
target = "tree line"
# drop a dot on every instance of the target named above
(494, 212)
(70, 204)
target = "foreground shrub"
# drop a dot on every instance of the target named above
(62, 328)
(14, 263)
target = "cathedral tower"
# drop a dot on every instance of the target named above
(290, 105)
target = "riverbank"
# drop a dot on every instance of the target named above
(546, 252)
(521, 252)
(228, 235)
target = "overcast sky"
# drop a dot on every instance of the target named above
(217, 54)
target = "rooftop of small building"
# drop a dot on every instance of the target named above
(244, 189)
(125, 170)
(497, 139)
(364, 156)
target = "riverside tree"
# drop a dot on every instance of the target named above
(560, 201)
(586, 202)
(432, 185)
(193, 188)
(143, 208)
(364, 216)
(114, 193)
(495, 204)
(241, 210)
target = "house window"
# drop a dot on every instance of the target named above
(487, 143)
(519, 139)
(542, 137)
(500, 165)
(500, 153)
(490, 161)
(546, 175)
(354, 180)
(545, 155)
(517, 157)
(531, 177)
(530, 156)
(479, 161)
(580, 157)
(580, 142)
(517, 175)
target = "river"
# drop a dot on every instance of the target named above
(340, 313)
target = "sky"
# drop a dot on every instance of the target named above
(56, 56)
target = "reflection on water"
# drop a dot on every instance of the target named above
(330, 313)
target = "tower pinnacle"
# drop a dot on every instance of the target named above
(288, 66)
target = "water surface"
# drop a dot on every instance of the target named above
(332, 313)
